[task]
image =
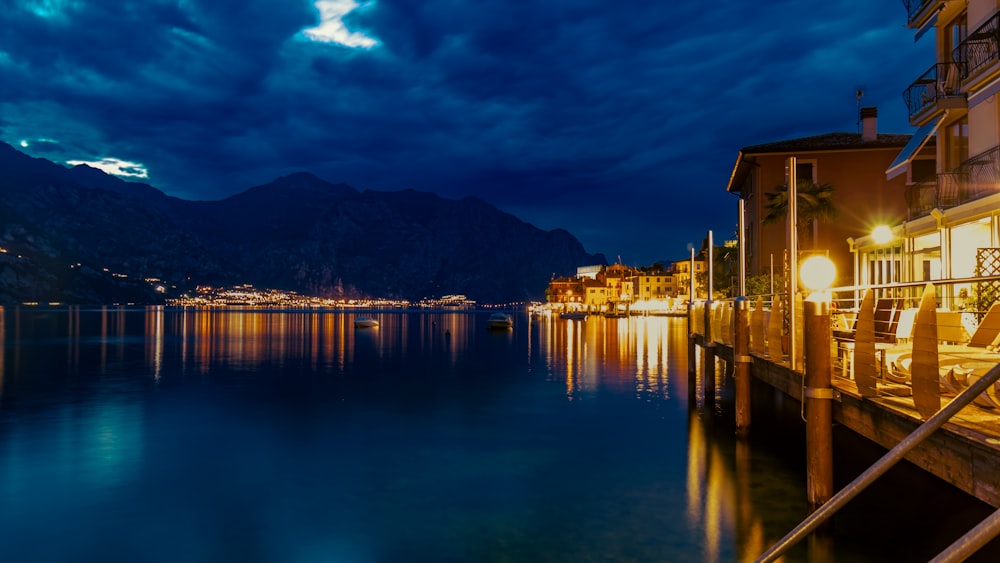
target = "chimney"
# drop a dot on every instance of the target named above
(869, 129)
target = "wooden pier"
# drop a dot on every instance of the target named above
(965, 452)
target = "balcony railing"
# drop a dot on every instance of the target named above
(914, 8)
(941, 81)
(981, 48)
(975, 178)
(983, 173)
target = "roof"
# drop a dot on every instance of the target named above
(825, 142)
(830, 142)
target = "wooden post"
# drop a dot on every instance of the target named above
(708, 374)
(818, 397)
(741, 369)
(692, 356)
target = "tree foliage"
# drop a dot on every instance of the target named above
(815, 203)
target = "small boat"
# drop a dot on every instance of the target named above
(573, 315)
(499, 321)
(365, 322)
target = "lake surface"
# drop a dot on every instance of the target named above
(257, 436)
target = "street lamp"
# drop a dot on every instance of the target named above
(817, 274)
(881, 234)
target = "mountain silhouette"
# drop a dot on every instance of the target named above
(78, 235)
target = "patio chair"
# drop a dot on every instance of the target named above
(885, 315)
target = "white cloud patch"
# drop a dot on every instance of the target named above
(52, 9)
(115, 167)
(331, 28)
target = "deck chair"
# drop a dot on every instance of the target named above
(953, 378)
(887, 312)
(886, 318)
(955, 361)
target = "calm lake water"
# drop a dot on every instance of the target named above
(261, 436)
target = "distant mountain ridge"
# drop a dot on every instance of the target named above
(78, 235)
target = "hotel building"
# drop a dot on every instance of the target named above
(952, 224)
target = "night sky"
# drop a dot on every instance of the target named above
(618, 121)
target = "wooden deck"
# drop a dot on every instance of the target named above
(964, 453)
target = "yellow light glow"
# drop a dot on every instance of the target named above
(881, 234)
(817, 272)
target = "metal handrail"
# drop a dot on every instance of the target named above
(881, 466)
(970, 543)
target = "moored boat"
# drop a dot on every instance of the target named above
(365, 322)
(500, 321)
(573, 315)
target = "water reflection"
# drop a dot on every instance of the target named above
(2, 339)
(731, 501)
(557, 440)
(641, 352)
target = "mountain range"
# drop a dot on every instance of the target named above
(78, 235)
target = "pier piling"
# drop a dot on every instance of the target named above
(708, 351)
(818, 398)
(741, 368)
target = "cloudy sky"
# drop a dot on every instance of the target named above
(618, 121)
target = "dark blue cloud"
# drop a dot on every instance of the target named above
(618, 121)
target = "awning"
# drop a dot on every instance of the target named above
(928, 25)
(984, 92)
(917, 142)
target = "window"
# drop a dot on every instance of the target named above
(805, 171)
(956, 143)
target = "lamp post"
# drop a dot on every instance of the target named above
(818, 273)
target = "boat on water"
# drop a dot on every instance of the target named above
(500, 321)
(573, 315)
(365, 322)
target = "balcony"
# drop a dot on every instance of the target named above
(975, 178)
(938, 88)
(980, 49)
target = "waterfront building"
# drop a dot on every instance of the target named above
(853, 164)
(651, 286)
(682, 273)
(618, 286)
(952, 225)
(597, 294)
(565, 292)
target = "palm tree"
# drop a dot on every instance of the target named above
(815, 203)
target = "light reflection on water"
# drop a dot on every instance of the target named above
(166, 435)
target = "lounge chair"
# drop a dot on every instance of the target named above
(960, 364)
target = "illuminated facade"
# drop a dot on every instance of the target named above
(565, 291)
(853, 164)
(619, 285)
(682, 277)
(953, 201)
(654, 286)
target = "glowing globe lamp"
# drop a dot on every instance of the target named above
(881, 234)
(817, 273)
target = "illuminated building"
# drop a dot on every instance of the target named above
(853, 164)
(952, 225)
(682, 277)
